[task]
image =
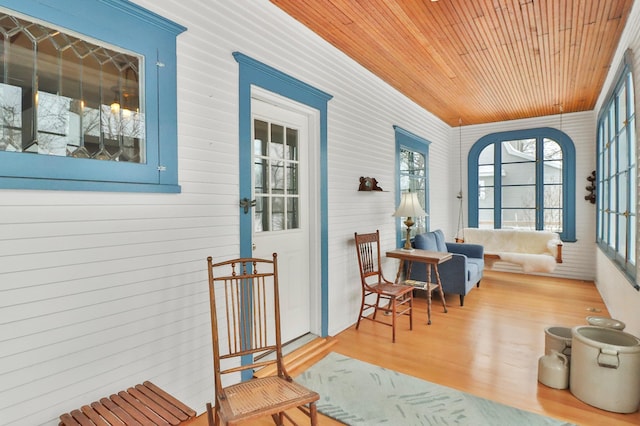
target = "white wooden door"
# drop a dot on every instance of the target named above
(281, 214)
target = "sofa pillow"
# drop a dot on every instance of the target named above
(440, 242)
(426, 241)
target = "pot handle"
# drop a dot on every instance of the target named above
(563, 357)
(608, 358)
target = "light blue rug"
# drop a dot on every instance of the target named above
(358, 393)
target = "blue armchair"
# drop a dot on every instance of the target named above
(459, 274)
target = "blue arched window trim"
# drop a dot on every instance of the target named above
(127, 25)
(409, 140)
(568, 174)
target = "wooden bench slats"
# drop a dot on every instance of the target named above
(141, 405)
(106, 414)
(144, 411)
(172, 407)
(95, 417)
(169, 398)
(157, 408)
(118, 411)
(130, 409)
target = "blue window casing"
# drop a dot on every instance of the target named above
(125, 25)
(410, 141)
(616, 176)
(255, 73)
(568, 233)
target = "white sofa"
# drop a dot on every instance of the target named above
(535, 251)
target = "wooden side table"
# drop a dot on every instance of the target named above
(430, 258)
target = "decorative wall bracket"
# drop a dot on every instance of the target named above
(591, 196)
(368, 184)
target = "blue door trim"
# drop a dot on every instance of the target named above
(255, 73)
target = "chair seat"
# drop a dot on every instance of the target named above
(391, 289)
(262, 396)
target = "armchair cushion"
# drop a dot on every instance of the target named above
(459, 274)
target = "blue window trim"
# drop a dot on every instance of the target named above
(568, 174)
(255, 73)
(625, 70)
(407, 139)
(126, 25)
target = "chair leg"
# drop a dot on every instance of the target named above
(211, 415)
(361, 311)
(375, 310)
(462, 300)
(411, 312)
(313, 413)
(393, 319)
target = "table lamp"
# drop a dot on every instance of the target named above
(409, 207)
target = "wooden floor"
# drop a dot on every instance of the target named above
(490, 347)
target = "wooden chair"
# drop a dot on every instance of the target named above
(245, 327)
(398, 298)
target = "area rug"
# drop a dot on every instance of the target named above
(358, 393)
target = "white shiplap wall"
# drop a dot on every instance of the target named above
(578, 257)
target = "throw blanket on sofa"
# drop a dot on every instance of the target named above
(535, 251)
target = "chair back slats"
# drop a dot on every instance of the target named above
(244, 307)
(368, 249)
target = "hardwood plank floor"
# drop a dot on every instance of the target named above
(490, 347)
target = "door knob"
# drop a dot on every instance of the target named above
(245, 203)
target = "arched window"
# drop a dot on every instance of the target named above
(523, 179)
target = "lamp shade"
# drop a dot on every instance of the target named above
(410, 206)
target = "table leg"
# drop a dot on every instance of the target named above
(397, 281)
(428, 294)
(444, 305)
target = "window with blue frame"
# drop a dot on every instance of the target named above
(412, 165)
(523, 179)
(88, 97)
(616, 175)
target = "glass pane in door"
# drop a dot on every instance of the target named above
(276, 176)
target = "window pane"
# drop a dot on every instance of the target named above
(486, 155)
(552, 150)
(519, 173)
(622, 236)
(485, 218)
(292, 178)
(292, 213)
(259, 169)
(276, 148)
(277, 177)
(523, 148)
(553, 196)
(621, 105)
(486, 197)
(553, 171)
(261, 214)
(519, 196)
(260, 137)
(277, 214)
(76, 97)
(553, 220)
(623, 146)
(519, 218)
(292, 145)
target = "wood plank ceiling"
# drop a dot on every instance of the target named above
(477, 61)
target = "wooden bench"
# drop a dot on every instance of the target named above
(144, 404)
